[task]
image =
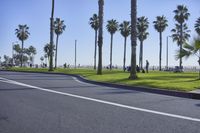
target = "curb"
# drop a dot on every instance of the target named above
(190, 95)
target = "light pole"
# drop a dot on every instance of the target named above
(75, 54)
(12, 53)
(167, 62)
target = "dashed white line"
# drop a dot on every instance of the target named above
(102, 101)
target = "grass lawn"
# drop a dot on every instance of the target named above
(186, 81)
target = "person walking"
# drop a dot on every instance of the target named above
(147, 66)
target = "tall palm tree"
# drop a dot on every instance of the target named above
(100, 35)
(181, 15)
(94, 23)
(160, 25)
(142, 26)
(125, 30)
(197, 26)
(51, 37)
(22, 34)
(189, 50)
(112, 27)
(133, 74)
(59, 27)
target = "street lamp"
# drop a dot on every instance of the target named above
(167, 62)
(75, 55)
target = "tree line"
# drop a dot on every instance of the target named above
(137, 28)
(180, 34)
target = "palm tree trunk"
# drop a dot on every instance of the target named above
(124, 63)
(180, 61)
(133, 39)
(160, 53)
(51, 38)
(95, 50)
(199, 68)
(100, 36)
(111, 45)
(199, 64)
(181, 46)
(56, 51)
(141, 55)
(22, 51)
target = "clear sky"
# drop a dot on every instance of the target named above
(76, 14)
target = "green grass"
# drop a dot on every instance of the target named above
(186, 81)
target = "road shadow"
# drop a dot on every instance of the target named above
(198, 105)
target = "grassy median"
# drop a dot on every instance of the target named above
(186, 81)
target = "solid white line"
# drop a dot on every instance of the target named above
(80, 81)
(102, 101)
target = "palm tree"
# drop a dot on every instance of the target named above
(22, 34)
(94, 23)
(112, 27)
(181, 15)
(47, 51)
(59, 27)
(125, 30)
(179, 38)
(160, 25)
(17, 48)
(45, 56)
(51, 37)
(142, 26)
(133, 74)
(197, 26)
(188, 50)
(42, 59)
(17, 56)
(100, 35)
(32, 51)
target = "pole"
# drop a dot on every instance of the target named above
(167, 55)
(12, 53)
(75, 54)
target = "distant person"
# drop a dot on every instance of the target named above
(65, 65)
(128, 68)
(137, 69)
(143, 71)
(147, 66)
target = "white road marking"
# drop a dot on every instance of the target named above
(102, 101)
(81, 81)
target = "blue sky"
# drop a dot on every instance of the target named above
(76, 14)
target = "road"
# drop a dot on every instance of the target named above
(49, 103)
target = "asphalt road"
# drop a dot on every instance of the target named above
(48, 103)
